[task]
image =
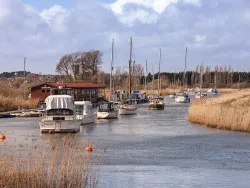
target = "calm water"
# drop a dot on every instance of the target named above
(153, 149)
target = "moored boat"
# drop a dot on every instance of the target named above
(156, 104)
(127, 108)
(182, 98)
(59, 115)
(172, 95)
(84, 112)
(107, 110)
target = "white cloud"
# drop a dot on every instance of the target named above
(200, 38)
(154, 9)
(141, 15)
(210, 31)
(56, 17)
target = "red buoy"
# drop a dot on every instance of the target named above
(2, 137)
(89, 148)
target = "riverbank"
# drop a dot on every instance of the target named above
(14, 96)
(230, 111)
(64, 164)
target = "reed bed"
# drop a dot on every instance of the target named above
(64, 165)
(230, 111)
(14, 96)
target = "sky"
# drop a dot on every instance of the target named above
(215, 32)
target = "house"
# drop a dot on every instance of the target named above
(80, 91)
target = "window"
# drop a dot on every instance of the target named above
(60, 112)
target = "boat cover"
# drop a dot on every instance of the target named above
(59, 102)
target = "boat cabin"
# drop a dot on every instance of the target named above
(106, 107)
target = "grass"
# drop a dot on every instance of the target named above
(65, 165)
(230, 111)
(14, 95)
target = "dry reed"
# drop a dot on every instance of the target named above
(64, 165)
(14, 96)
(230, 111)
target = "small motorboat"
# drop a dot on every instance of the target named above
(200, 95)
(172, 95)
(127, 108)
(182, 98)
(156, 104)
(107, 110)
(59, 115)
(84, 112)
(214, 92)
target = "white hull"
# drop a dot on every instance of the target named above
(60, 126)
(87, 119)
(124, 111)
(181, 100)
(172, 96)
(107, 115)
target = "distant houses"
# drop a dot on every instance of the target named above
(80, 91)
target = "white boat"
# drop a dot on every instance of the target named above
(200, 95)
(84, 112)
(182, 98)
(172, 95)
(127, 108)
(59, 115)
(107, 111)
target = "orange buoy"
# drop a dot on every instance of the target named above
(98, 117)
(2, 137)
(89, 148)
(149, 108)
(51, 131)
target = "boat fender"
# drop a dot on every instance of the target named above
(98, 117)
(89, 148)
(2, 137)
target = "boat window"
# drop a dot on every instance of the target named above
(56, 112)
(104, 107)
(79, 109)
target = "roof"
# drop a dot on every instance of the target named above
(71, 85)
(59, 102)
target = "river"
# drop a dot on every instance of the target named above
(153, 149)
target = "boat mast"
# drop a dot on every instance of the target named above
(111, 70)
(159, 76)
(184, 76)
(153, 92)
(130, 62)
(146, 74)
(201, 75)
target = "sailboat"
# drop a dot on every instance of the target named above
(128, 107)
(183, 97)
(200, 94)
(157, 103)
(107, 110)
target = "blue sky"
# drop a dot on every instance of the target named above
(215, 32)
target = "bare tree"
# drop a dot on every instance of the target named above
(64, 67)
(80, 65)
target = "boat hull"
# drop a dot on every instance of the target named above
(107, 115)
(181, 100)
(60, 126)
(87, 119)
(156, 107)
(172, 96)
(124, 111)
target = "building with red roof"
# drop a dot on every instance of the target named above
(79, 90)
